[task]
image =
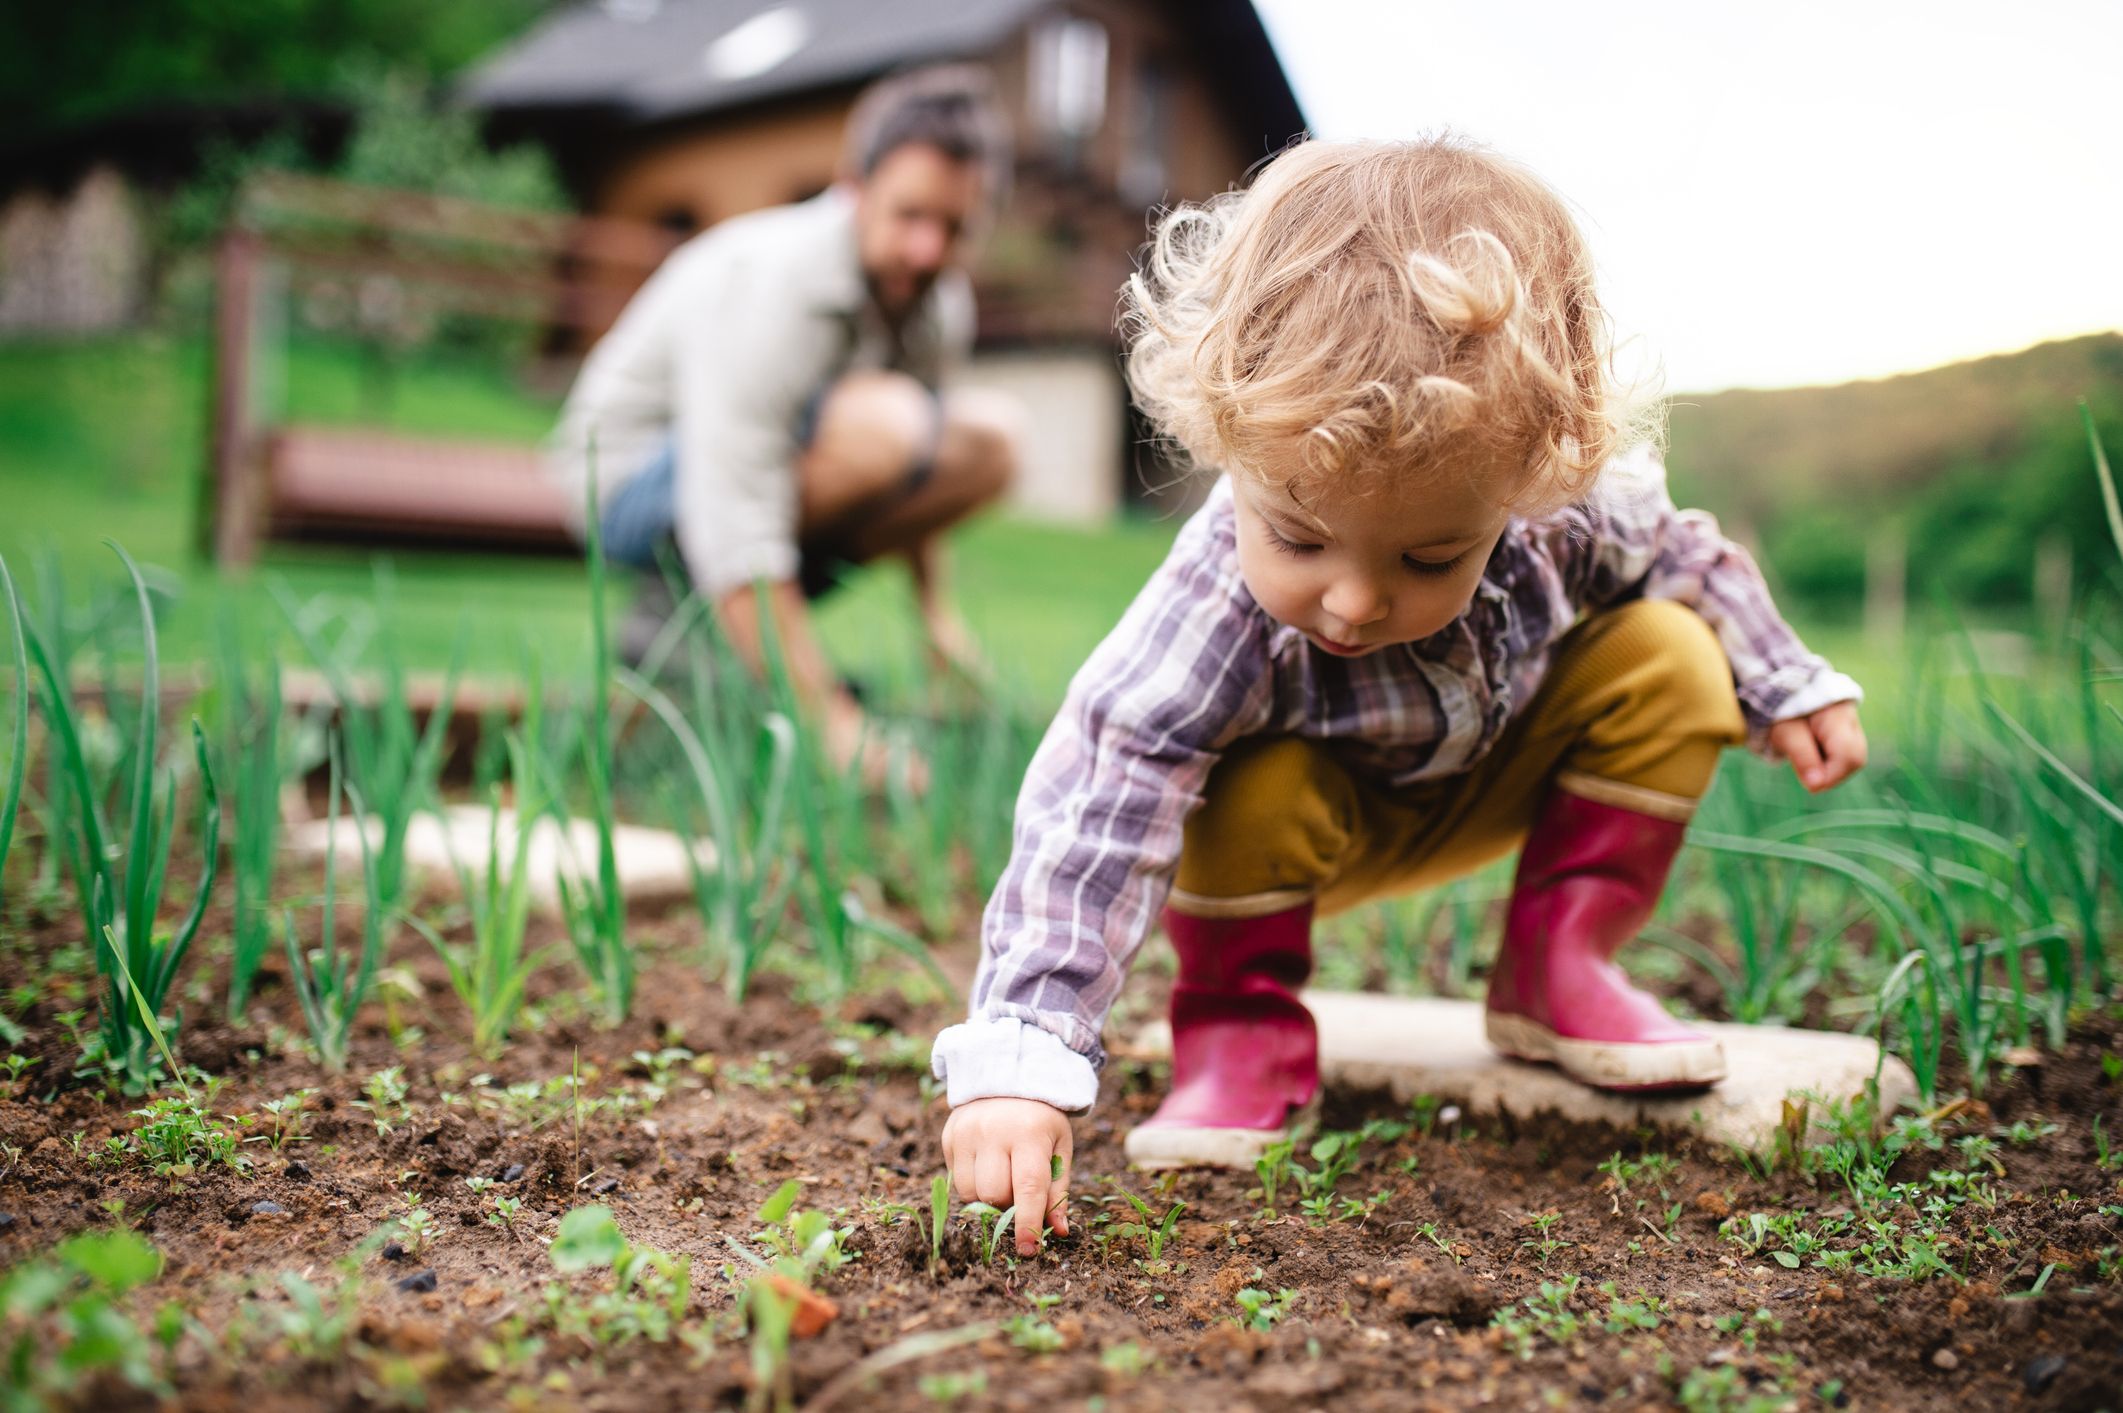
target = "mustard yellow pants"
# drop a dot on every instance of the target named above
(1636, 706)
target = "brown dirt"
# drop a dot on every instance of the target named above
(1382, 1317)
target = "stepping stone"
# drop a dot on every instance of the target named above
(652, 862)
(1411, 1045)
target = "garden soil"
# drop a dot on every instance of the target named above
(1391, 1310)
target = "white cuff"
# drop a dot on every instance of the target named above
(1826, 689)
(1004, 1058)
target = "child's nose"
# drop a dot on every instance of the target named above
(1356, 601)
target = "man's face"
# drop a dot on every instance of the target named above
(911, 215)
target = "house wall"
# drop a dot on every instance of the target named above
(710, 172)
(1077, 412)
(1050, 273)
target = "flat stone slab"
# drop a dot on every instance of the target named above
(1411, 1045)
(652, 862)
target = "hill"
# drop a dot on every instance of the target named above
(1977, 463)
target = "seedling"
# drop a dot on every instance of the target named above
(66, 1323)
(18, 748)
(120, 889)
(649, 1293)
(805, 1245)
(490, 974)
(991, 1226)
(1260, 1310)
(331, 990)
(1544, 1244)
(1150, 1228)
(932, 1230)
(1546, 1315)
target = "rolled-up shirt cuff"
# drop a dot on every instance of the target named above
(721, 567)
(1002, 1057)
(1824, 688)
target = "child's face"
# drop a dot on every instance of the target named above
(1359, 573)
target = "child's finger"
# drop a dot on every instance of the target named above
(1844, 741)
(991, 1176)
(1031, 1166)
(1795, 739)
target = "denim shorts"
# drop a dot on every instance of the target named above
(642, 515)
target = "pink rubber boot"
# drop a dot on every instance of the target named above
(1245, 1052)
(1588, 879)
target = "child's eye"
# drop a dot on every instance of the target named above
(1434, 570)
(1285, 546)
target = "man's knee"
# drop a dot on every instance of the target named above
(873, 427)
(982, 443)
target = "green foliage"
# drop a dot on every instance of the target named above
(931, 1231)
(649, 1291)
(120, 888)
(492, 971)
(405, 139)
(64, 1325)
(253, 761)
(1262, 1311)
(18, 747)
(595, 910)
(329, 989)
(177, 1134)
(1545, 1316)
(72, 63)
(391, 758)
(805, 1245)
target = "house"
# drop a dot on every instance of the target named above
(686, 112)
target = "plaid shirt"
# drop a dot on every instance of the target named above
(1195, 664)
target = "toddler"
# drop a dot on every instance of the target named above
(1438, 605)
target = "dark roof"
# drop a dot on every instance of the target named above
(645, 61)
(653, 66)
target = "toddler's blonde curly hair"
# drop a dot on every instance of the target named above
(1370, 312)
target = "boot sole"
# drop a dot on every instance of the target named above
(1610, 1064)
(1160, 1148)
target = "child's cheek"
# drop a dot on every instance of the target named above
(1271, 585)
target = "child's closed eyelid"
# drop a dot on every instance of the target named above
(1280, 541)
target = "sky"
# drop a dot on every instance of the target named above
(1777, 194)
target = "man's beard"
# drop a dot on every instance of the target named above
(893, 309)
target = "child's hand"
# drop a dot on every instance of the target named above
(1824, 749)
(1004, 1151)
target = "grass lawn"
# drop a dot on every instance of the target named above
(107, 437)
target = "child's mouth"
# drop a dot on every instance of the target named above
(1340, 649)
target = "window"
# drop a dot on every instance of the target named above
(1143, 178)
(1068, 82)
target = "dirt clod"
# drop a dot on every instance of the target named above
(2042, 1371)
(418, 1283)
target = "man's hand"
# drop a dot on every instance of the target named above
(851, 743)
(1824, 749)
(1005, 1151)
(952, 648)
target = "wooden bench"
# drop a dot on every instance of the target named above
(405, 253)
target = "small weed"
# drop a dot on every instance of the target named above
(1544, 1244)
(805, 1245)
(951, 1387)
(177, 1135)
(385, 1098)
(63, 1321)
(1546, 1315)
(648, 1294)
(1643, 1312)
(1262, 1311)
